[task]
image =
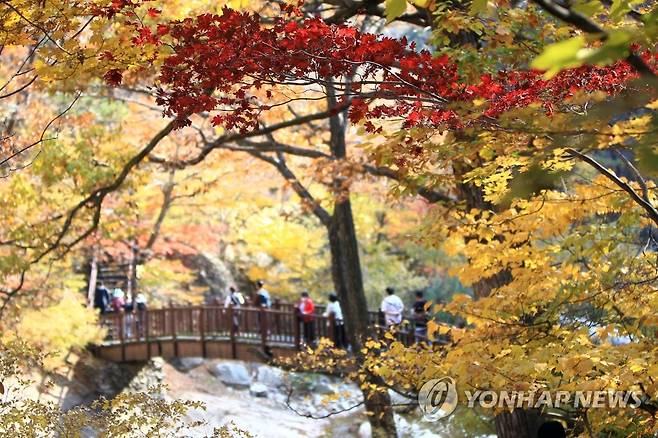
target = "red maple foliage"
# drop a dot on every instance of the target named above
(235, 54)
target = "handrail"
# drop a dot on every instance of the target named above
(282, 327)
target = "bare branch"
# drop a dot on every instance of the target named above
(43, 133)
(647, 206)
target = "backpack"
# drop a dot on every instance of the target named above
(237, 299)
(117, 304)
(264, 299)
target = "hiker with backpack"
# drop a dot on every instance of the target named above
(234, 299)
(262, 295)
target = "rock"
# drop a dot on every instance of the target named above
(88, 432)
(270, 376)
(187, 363)
(71, 400)
(399, 400)
(258, 390)
(157, 363)
(365, 430)
(232, 374)
(323, 385)
(324, 388)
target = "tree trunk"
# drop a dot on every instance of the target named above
(473, 196)
(348, 282)
(520, 423)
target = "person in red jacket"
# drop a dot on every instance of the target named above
(307, 309)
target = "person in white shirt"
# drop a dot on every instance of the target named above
(392, 307)
(333, 308)
(234, 299)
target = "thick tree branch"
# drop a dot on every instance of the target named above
(167, 199)
(636, 172)
(280, 164)
(230, 138)
(95, 199)
(275, 146)
(430, 195)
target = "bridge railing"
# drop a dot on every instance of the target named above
(281, 327)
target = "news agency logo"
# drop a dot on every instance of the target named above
(438, 398)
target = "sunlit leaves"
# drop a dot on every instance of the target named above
(561, 55)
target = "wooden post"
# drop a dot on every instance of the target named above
(234, 351)
(172, 318)
(263, 327)
(122, 336)
(202, 330)
(332, 328)
(93, 276)
(296, 329)
(147, 323)
(132, 271)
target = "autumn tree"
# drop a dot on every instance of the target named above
(454, 128)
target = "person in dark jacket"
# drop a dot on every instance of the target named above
(102, 299)
(420, 317)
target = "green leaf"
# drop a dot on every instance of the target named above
(647, 159)
(395, 8)
(651, 23)
(619, 8)
(589, 8)
(478, 6)
(616, 47)
(561, 55)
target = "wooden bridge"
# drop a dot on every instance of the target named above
(246, 333)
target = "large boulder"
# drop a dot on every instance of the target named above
(400, 400)
(232, 374)
(365, 430)
(187, 363)
(270, 376)
(258, 390)
(323, 385)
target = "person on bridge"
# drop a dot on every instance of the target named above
(333, 308)
(262, 295)
(129, 307)
(234, 299)
(140, 309)
(392, 307)
(102, 299)
(307, 308)
(420, 317)
(118, 300)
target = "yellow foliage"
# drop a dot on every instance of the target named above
(58, 329)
